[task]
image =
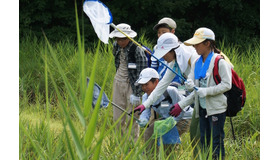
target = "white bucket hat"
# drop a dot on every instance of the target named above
(165, 43)
(125, 28)
(146, 75)
(200, 35)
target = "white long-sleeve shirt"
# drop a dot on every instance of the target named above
(216, 101)
(183, 55)
(163, 105)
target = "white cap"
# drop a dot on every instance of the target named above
(125, 28)
(165, 43)
(146, 75)
(200, 35)
(168, 21)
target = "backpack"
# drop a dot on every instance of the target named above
(148, 56)
(236, 96)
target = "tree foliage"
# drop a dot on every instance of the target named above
(236, 21)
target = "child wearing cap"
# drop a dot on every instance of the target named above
(168, 25)
(165, 25)
(148, 79)
(130, 60)
(180, 60)
(210, 102)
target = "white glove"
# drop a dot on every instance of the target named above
(134, 100)
(189, 84)
(142, 122)
(201, 92)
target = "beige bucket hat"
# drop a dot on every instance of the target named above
(125, 28)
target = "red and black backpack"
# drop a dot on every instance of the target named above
(236, 96)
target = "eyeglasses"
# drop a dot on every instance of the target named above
(121, 39)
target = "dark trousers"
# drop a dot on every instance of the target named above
(214, 123)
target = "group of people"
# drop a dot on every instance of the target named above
(152, 89)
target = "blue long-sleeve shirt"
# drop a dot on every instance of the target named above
(161, 69)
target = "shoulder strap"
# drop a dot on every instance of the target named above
(132, 48)
(232, 129)
(131, 53)
(216, 75)
(167, 97)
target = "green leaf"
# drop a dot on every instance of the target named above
(73, 131)
(67, 84)
(35, 145)
(93, 121)
(89, 92)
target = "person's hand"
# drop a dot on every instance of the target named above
(140, 108)
(175, 110)
(189, 84)
(142, 122)
(135, 100)
(201, 92)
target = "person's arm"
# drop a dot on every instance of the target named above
(190, 98)
(174, 94)
(146, 114)
(154, 62)
(187, 100)
(226, 80)
(161, 87)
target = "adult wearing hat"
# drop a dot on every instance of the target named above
(130, 60)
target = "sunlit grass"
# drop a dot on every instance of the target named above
(58, 122)
(34, 115)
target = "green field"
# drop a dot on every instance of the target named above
(58, 122)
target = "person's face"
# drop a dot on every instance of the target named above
(163, 30)
(122, 42)
(169, 56)
(149, 86)
(202, 48)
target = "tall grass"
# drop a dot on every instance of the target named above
(64, 135)
(58, 122)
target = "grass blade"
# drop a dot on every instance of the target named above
(93, 121)
(73, 131)
(67, 84)
(89, 92)
(49, 142)
(81, 57)
(35, 146)
(99, 144)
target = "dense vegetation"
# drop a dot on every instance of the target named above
(235, 21)
(48, 106)
(56, 117)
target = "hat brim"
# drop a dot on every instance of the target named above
(142, 81)
(193, 41)
(161, 25)
(118, 34)
(159, 53)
